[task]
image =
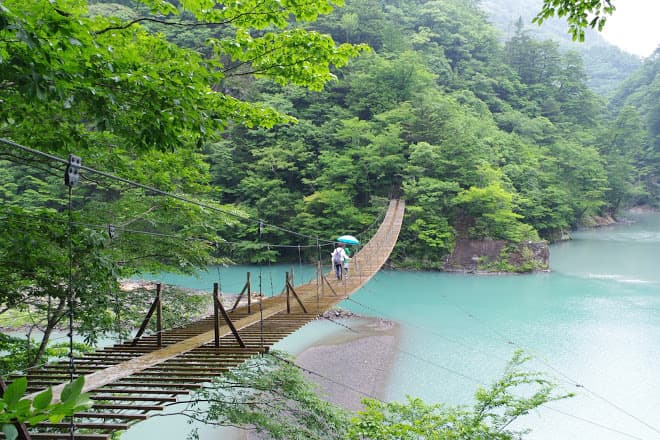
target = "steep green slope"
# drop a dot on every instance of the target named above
(637, 104)
(606, 65)
(486, 140)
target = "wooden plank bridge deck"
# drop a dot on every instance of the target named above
(129, 381)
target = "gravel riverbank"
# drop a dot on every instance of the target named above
(354, 364)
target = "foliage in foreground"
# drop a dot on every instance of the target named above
(270, 395)
(15, 409)
(91, 78)
(579, 14)
(512, 396)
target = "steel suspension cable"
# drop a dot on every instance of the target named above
(567, 378)
(72, 366)
(158, 191)
(478, 382)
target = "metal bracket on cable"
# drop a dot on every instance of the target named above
(72, 173)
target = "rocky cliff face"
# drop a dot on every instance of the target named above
(489, 256)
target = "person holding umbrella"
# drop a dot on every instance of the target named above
(343, 263)
(338, 257)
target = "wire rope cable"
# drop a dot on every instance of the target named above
(480, 383)
(72, 365)
(566, 378)
(261, 302)
(158, 191)
(360, 392)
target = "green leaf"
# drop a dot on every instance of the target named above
(42, 400)
(36, 419)
(10, 431)
(83, 402)
(56, 418)
(72, 390)
(14, 392)
(22, 409)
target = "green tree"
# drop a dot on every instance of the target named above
(270, 395)
(491, 210)
(109, 73)
(105, 82)
(579, 14)
(495, 409)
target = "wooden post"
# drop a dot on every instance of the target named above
(249, 292)
(330, 285)
(155, 306)
(216, 323)
(218, 307)
(246, 288)
(230, 324)
(286, 287)
(289, 288)
(159, 315)
(319, 275)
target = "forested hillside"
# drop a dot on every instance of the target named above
(485, 139)
(606, 65)
(273, 123)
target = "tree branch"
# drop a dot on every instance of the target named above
(180, 23)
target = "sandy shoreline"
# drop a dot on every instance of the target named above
(355, 364)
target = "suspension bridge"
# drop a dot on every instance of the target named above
(131, 381)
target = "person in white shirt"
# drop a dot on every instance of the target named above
(338, 257)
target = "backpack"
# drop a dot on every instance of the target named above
(336, 257)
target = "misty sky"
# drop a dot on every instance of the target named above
(634, 26)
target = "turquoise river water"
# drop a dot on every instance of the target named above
(592, 323)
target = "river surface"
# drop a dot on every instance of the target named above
(592, 324)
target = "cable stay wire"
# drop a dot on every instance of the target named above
(155, 190)
(365, 394)
(480, 383)
(119, 228)
(567, 379)
(198, 203)
(545, 362)
(324, 377)
(412, 355)
(383, 315)
(591, 422)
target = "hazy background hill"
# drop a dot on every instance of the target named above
(606, 65)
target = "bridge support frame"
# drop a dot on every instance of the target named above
(248, 288)
(156, 306)
(290, 289)
(334, 292)
(219, 308)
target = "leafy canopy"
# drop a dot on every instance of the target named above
(579, 14)
(271, 395)
(76, 71)
(15, 409)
